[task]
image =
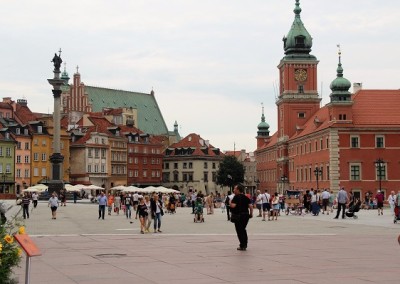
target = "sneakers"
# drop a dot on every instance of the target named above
(240, 248)
(141, 232)
(159, 231)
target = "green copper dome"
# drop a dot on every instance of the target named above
(298, 41)
(64, 75)
(340, 86)
(263, 127)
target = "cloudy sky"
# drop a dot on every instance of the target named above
(211, 63)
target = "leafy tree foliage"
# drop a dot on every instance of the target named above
(230, 172)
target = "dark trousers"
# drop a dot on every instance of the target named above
(34, 203)
(193, 205)
(228, 212)
(102, 210)
(241, 232)
(341, 206)
(25, 211)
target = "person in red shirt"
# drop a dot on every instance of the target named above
(379, 200)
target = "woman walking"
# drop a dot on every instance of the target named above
(157, 212)
(53, 204)
(148, 217)
(275, 206)
(142, 211)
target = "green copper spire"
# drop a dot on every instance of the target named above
(64, 74)
(340, 86)
(298, 42)
(263, 127)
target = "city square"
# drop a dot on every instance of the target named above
(79, 248)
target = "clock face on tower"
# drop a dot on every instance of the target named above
(300, 74)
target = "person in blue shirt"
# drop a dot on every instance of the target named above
(102, 200)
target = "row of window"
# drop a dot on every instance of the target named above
(307, 147)
(135, 149)
(379, 141)
(309, 173)
(135, 173)
(188, 177)
(35, 143)
(356, 172)
(7, 152)
(135, 160)
(189, 165)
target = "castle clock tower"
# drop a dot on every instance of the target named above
(298, 97)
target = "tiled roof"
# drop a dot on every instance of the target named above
(376, 107)
(271, 142)
(24, 114)
(318, 122)
(150, 119)
(196, 143)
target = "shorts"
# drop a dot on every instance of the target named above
(266, 206)
(380, 205)
(135, 203)
(258, 206)
(53, 208)
(276, 206)
(325, 202)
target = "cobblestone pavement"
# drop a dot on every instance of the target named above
(80, 248)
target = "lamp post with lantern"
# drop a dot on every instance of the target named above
(317, 173)
(380, 164)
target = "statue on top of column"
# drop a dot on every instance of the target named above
(57, 62)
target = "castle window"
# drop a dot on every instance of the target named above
(355, 142)
(380, 141)
(301, 115)
(300, 89)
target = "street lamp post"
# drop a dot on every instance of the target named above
(284, 180)
(318, 173)
(379, 164)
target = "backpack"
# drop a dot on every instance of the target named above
(227, 200)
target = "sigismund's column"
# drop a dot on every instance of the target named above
(56, 159)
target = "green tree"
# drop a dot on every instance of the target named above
(230, 172)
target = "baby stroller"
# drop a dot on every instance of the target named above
(353, 208)
(198, 211)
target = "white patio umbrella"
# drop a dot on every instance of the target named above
(132, 188)
(31, 189)
(119, 187)
(72, 188)
(41, 187)
(150, 189)
(95, 187)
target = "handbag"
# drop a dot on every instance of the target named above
(235, 217)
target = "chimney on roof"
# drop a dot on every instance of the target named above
(357, 87)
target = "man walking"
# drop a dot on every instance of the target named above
(242, 209)
(342, 199)
(325, 201)
(102, 199)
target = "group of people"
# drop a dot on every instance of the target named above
(148, 208)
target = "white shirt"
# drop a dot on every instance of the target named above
(265, 197)
(259, 199)
(135, 197)
(53, 201)
(391, 199)
(326, 194)
(34, 196)
(194, 196)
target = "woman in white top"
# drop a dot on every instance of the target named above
(391, 200)
(148, 217)
(259, 203)
(53, 204)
